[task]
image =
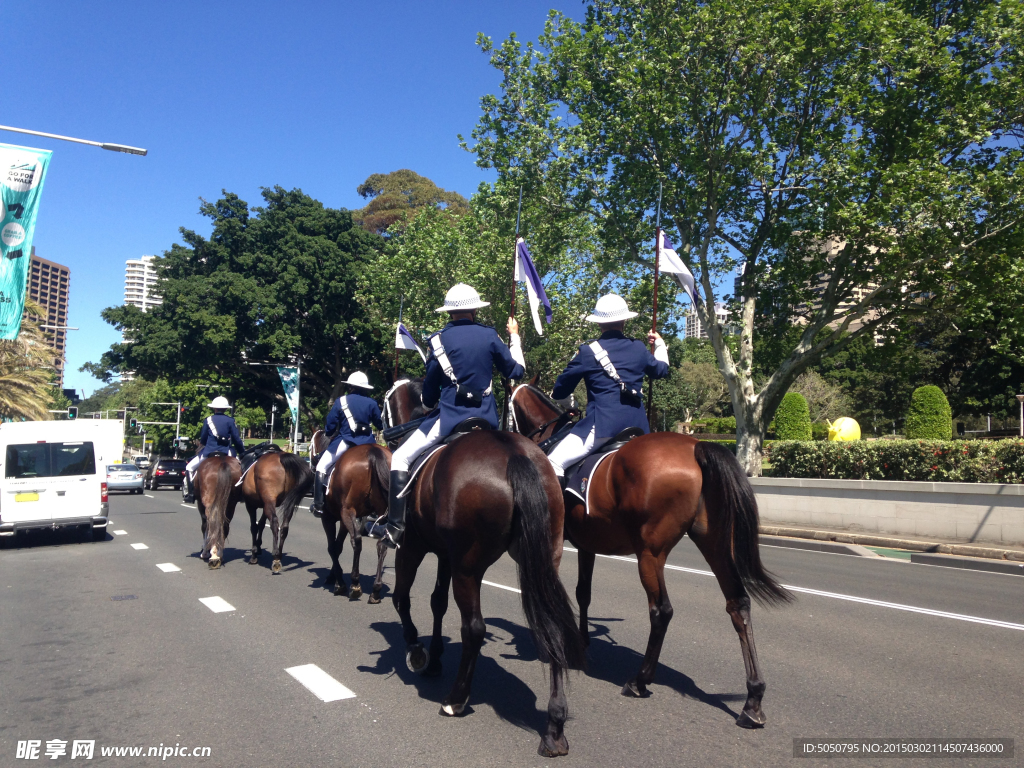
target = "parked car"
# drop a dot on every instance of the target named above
(165, 472)
(141, 461)
(49, 476)
(124, 477)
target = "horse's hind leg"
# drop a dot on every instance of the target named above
(378, 581)
(204, 555)
(335, 544)
(407, 561)
(467, 597)
(256, 529)
(737, 605)
(439, 607)
(275, 527)
(349, 520)
(652, 576)
(553, 743)
(584, 584)
(285, 523)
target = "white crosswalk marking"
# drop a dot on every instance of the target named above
(217, 604)
(168, 567)
(319, 683)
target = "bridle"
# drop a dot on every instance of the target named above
(388, 417)
(562, 413)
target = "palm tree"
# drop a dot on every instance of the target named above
(26, 370)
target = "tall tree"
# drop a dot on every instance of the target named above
(857, 159)
(271, 284)
(398, 196)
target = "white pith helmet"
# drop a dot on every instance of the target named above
(461, 297)
(358, 379)
(610, 308)
(219, 402)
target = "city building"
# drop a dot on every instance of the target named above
(696, 330)
(139, 281)
(47, 284)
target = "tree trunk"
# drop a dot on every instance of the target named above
(749, 443)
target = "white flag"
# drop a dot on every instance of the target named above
(405, 340)
(669, 261)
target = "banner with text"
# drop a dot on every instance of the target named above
(22, 171)
(290, 382)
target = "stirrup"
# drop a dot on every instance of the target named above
(393, 536)
(375, 529)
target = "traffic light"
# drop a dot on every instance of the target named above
(133, 423)
(72, 412)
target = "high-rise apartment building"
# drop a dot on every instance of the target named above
(139, 281)
(47, 284)
(696, 330)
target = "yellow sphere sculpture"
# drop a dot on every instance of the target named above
(843, 428)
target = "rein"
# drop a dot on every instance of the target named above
(561, 412)
(388, 418)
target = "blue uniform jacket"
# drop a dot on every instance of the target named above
(605, 408)
(226, 427)
(364, 410)
(473, 350)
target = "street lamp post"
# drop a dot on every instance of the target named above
(102, 145)
(1020, 399)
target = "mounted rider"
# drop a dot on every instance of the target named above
(460, 368)
(613, 367)
(348, 423)
(219, 435)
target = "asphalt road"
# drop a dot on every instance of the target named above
(159, 668)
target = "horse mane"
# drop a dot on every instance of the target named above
(545, 398)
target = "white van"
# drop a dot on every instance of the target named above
(53, 473)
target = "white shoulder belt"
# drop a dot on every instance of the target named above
(442, 358)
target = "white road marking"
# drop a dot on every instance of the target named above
(120, 533)
(187, 506)
(304, 508)
(217, 604)
(501, 586)
(168, 567)
(148, 496)
(139, 546)
(851, 598)
(319, 683)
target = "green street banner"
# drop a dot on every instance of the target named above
(22, 172)
(290, 382)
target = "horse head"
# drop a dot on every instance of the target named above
(536, 415)
(404, 402)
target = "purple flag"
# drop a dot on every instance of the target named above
(405, 340)
(526, 272)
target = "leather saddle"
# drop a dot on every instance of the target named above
(579, 473)
(254, 452)
(474, 424)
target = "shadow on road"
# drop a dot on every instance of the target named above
(46, 537)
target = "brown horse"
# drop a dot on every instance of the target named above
(277, 482)
(216, 497)
(403, 402)
(358, 489)
(643, 499)
(484, 494)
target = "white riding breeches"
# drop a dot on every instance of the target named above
(330, 458)
(193, 465)
(572, 449)
(416, 444)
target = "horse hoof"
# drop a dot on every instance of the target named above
(340, 589)
(356, 593)
(214, 563)
(416, 657)
(374, 599)
(452, 710)
(751, 719)
(276, 567)
(204, 556)
(635, 690)
(553, 747)
(433, 669)
(254, 559)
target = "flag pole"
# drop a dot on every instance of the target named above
(401, 306)
(654, 314)
(505, 416)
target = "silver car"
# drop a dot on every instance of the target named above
(124, 477)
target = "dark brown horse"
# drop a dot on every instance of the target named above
(403, 402)
(643, 499)
(216, 497)
(484, 494)
(358, 489)
(277, 482)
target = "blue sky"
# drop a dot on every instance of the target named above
(234, 95)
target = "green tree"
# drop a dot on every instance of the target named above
(850, 156)
(792, 418)
(275, 284)
(398, 196)
(26, 370)
(929, 417)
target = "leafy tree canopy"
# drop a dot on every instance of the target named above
(398, 196)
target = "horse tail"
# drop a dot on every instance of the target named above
(730, 499)
(380, 472)
(302, 476)
(217, 508)
(546, 605)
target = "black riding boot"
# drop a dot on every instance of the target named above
(319, 492)
(189, 496)
(392, 531)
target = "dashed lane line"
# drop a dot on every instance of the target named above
(148, 496)
(319, 683)
(500, 586)
(168, 567)
(187, 506)
(139, 545)
(850, 598)
(217, 604)
(120, 533)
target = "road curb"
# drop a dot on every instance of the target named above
(970, 563)
(812, 545)
(963, 550)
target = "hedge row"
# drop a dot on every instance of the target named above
(954, 461)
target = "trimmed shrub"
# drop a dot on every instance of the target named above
(929, 417)
(793, 418)
(720, 426)
(951, 461)
(819, 431)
